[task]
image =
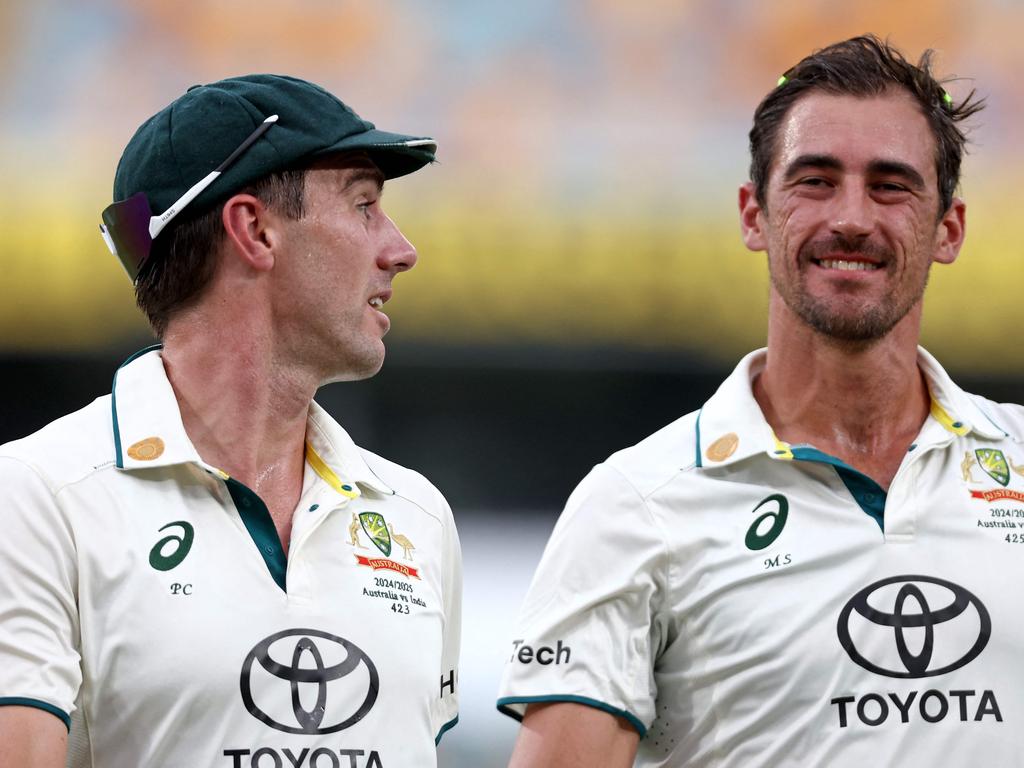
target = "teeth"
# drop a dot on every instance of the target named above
(376, 302)
(849, 266)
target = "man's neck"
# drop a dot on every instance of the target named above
(862, 404)
(244, 412)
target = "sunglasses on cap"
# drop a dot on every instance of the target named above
(129, 227)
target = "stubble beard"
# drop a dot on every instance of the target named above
(857, 327)
(362, 360)
(344, 350)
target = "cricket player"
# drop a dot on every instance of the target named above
(818, 567)
(202, 568)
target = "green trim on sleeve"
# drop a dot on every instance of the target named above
(505, 708)
(445, 728)
(17, 701)
(260, 524)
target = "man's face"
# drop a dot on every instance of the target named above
(336, 268)
(851, 221)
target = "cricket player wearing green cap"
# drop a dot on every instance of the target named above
(202, 568)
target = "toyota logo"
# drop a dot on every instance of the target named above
(290, 675)
(913, 626)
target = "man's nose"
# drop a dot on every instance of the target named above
(851, 215)
(397, 255)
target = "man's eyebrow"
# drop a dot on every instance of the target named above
(364, 174)
(804, 162)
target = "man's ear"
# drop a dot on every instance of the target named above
(951, 233)
(251, 230)
(752, 219)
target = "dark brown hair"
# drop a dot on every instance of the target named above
(183, 258)
(866, 66)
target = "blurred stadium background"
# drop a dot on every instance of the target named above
(581, 279)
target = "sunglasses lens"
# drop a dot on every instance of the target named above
(127, 224)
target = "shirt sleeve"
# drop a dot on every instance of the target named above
(585, 630)
(39, 631)
(445, 712)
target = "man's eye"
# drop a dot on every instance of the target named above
(813, 181)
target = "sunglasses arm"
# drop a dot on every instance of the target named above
(157, 223)
(107, 239)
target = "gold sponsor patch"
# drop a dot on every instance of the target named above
(723, 447)
(147, 449)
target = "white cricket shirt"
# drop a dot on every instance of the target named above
(744, 602)
(145, 599)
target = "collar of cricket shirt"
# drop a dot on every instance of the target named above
(148, 431)
(731, 426)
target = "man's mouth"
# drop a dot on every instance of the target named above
(379, 300)
(836, 254)
(846, 265)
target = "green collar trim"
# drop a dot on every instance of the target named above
(700, 463)
(118, 457)
(260, 524)
(868, 494)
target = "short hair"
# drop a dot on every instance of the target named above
(866, 66)
(184, 256)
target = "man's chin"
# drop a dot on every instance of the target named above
(861, 329)
(357, 369)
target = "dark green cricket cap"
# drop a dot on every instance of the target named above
(188, 139)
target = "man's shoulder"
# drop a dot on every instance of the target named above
(659, 457)
(69, 448)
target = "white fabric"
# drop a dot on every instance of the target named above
(152, 664)
(729, 656)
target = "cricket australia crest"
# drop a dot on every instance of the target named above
(993, 462)
(375, 527)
